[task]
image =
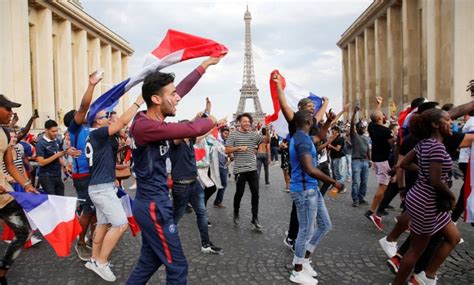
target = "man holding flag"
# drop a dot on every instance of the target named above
(10, 211)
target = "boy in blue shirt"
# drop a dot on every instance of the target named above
(307, 198)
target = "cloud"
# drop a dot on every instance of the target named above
(298, 38)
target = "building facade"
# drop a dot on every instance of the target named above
(403, 49)
(48, 50)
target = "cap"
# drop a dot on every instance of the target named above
(4, 102)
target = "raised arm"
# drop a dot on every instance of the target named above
(190, 81)
(461, 110)
(80, 115)
(126, 116)
(353, 130)
(378, 103)
(285, 108)
(339, 115)
(320, 113)
(22, 134)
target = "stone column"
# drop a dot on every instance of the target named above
(94, 61)
(81, 67)
(369, 49)
(345, 75)
(126, 97)
(445, 55)
(411, 50)
(64, 69)
(106, 63)
(463, 51)
(352, 74)
(45, 70)
(15, 73)
(381, 64)
(360, 71)
(117, 76)
(394, 51)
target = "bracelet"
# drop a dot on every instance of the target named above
(136, 105)
(27, 183)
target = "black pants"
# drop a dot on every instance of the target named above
(459, 208)
(388, 196)
(252, 178)
(324, 167)
(15, 218)
(208, 192)
(52, 185)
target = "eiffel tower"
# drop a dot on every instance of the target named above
(249, 88)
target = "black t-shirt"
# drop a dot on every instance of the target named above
(380, 147)
(313, 131)
(334, 153)
(451, 143)
(274, 142)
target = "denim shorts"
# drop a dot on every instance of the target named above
(109, 209)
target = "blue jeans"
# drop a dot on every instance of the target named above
(338, 169)
(274, 153)
(224, 173)
(194, 194)
(360, 175)
(310, 206)
(348, 169)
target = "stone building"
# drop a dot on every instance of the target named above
(403, 49)
(47, 51)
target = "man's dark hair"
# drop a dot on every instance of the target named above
(239, 117)
(302, 117)
(223, 129)
(50, 124)
(417, 102)
(426, 106)
(447, 107)
(68, 118)
(153, 84)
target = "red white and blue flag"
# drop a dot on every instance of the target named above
(175, 47)
(293, 94)
(54, 216)
(127, 203)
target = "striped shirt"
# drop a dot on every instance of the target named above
(421, 199)
(17, 160)
(244, 161)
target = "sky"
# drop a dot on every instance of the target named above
(296, 37)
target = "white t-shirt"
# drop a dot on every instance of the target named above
(465, 153)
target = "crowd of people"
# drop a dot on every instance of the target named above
(179, 166)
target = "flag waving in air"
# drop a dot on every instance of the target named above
(293, 94)
(175, 47)
(54, 216)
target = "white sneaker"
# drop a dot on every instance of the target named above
(422, 279)
(390, 248)
(461, 240)
(35, 240)
(309, 269)
(302, 278)
(103, 270)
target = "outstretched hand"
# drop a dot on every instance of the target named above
(96, 76)
(379, 100)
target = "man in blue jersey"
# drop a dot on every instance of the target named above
(308, 199)
(75, 121)
(153, 209)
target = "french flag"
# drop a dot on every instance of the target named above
(54, 216)
(293, 94)
(175, 47)
(127, 203)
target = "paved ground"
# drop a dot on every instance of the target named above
(349, 254)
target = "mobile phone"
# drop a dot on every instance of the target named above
(98, 74)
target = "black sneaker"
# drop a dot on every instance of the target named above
(189, 209)
(290, 243)
(368, 214)
(363, 202)
(209, 224)
(236, 219)
(382, 213)
(355, 204)
(389, 207)
(210, 248)
(256, 224)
